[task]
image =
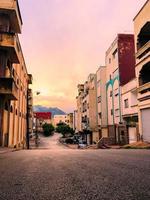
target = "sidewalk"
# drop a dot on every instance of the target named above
(6, 150)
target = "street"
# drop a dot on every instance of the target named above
(55, 172)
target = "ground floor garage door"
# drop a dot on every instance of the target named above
(145, 113)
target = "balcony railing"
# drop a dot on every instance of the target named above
(9, 88)
(10, 42)
(11, 8)
(143, 50)
(144, 88)
(30, 98)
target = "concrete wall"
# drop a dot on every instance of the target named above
(129, 91)
(59, 118)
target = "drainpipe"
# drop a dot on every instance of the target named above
(27, 132)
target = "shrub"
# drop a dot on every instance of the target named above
(48, 129)
(69, 141)
(64, 129)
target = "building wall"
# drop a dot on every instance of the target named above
(14, 126)
(141, 19)
(119, 60)
(79, 100)
(112, 84)
(75, 121)
(126, 57)
(19, 128)
(129, 92)
(70, 120)
(59, 119)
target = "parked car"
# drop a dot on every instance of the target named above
(69, 141)
(82, 144)
(32, 135)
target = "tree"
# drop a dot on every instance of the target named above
(64, 129)
(48, 129)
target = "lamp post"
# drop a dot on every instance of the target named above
(36, 129)
(27, 134)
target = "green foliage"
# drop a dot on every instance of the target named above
(64, 129)
(48, 129)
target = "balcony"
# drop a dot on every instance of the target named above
(9, 88)
(143, 50)
(30, 78)
(11, 8)
(10, 42)
(30, 98)
(144, 88)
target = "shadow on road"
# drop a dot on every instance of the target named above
(45, 143)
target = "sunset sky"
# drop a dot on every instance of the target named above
(65, 40)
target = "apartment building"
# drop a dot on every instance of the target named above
(142, 48)
(101, 102)
(14, 78)
(89, 111)
(70, 120)
(79, 100)
(86, 113)
(75, 121)
(120, 69)
(59, 119)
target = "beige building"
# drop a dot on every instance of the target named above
(75, 121)
(87, 110)
(101, 102)
(142, 48)
(119, 60)
(14, 78)
(59, 119)
(70, 120)
(79, 100)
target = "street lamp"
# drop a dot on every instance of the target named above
(36, 130)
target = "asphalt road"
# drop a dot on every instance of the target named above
(54, 172)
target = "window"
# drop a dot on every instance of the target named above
(115, 73)
(112, 112)
(100, 115)
(116, 92)
(126, 103)
(99, 99)
(98, 83)
(6, 106)
(11, 109)
(111, 93)
(117, 112)
(115, 53)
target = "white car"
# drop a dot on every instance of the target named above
(82, 144)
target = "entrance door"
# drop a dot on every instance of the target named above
(145, 113)
(132, 134)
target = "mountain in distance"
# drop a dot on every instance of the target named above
(54, 111)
